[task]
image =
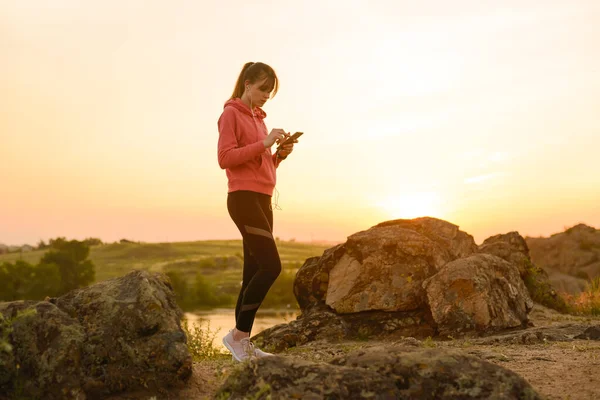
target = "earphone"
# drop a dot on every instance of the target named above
(251, 108)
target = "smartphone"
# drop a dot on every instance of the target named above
(290, 139)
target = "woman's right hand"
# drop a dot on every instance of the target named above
(276, 135)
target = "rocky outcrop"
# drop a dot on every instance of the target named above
(45, 361)
(382, 268)
(323, 324)
(421, 277)
(591, 333)
(118, 335)
(513, 248)
(386, 372)
(418, 277)
(574, 252)
(480, 292)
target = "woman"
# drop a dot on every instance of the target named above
(244, 151)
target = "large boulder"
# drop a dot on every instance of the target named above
(382, 268)
(419, 277)
(396, 278)
(45, 361)
(386, 372)
(117, 335)
(310, 285)
(324, 324)
(513, 248)
(569, 284)
(478, 293)
(574, 252)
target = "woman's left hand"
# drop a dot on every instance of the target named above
(288, 148)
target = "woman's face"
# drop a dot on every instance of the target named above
(259, 92)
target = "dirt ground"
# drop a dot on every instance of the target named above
(558, 368)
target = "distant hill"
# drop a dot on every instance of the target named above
(571, 258)
(117, 259)
(6, 248)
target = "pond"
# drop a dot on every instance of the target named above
(223, 320)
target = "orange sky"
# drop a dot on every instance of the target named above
(482, 114)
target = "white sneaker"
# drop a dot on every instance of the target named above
(259, 353)
(240, 350)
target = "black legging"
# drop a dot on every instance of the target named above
(252, 214)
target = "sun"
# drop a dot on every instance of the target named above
(411, 205)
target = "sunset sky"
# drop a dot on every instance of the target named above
(482, 113)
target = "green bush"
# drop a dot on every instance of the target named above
(281, 293)
(204, 293)
(63, 268)
(586, 302)
(71, 258)
(23, 281)
(200, 341)
(201, 294)
(540, 289)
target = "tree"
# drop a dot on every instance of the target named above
(93, 241)
(71, 258)
(46, 281)
(23, 281)
(180, 287)
(56, 243)
(14, 279)
(207, 295)
(204, 292)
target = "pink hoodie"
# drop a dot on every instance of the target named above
(242, 154)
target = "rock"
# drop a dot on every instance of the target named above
(558, 333)
(593, 333)
(323, 324)
(574, 252)
(312, 278)
(478, 293)
(383, 267)
(512, 247)
(319, 324)
(424, 272)
(385, 372)
(7, 360)
(458, 243)
(118, 335)
(564, 283)
(45, 360)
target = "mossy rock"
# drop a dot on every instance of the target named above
(384, 372)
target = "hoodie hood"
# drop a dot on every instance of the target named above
(241, 106)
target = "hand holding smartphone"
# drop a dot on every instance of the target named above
(291, 139)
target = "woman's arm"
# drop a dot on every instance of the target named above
(229, 154)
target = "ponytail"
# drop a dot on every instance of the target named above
(255, 72)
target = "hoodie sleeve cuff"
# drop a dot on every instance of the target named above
(258, 147)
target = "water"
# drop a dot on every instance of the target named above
(224, 320)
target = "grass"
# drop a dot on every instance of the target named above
(216, 264)
(587, 302)
(541, 290)
(200, 341)
(429, 342)
(117, 259)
